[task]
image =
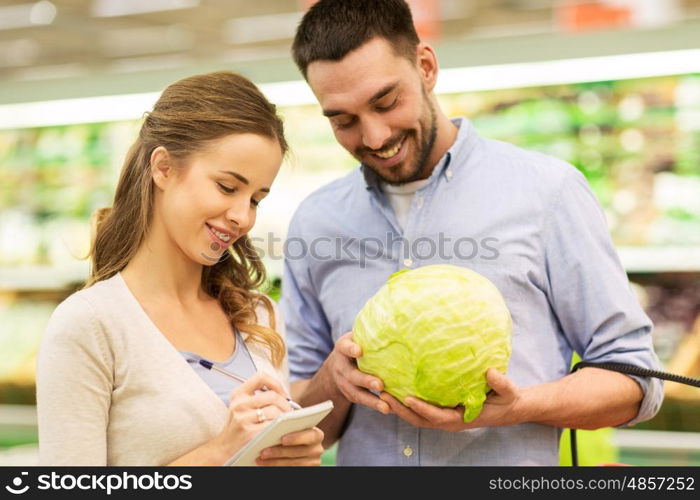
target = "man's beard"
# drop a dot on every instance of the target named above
(420, 167)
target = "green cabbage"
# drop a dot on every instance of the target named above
(433, 332)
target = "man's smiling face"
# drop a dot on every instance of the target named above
(379, 110)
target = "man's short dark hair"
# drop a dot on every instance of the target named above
(333, 28)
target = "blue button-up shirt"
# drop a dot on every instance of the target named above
(526, 221)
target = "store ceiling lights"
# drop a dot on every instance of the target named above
(251, 29)
(19, 52)
(559, 72)
(150, 63)
(27, 14)
(52, 72)
(127, 42)
(116, 8)
(565, 71)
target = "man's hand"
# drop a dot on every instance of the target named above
(500, 408)
(351, 382)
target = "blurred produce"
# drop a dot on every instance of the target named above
(686, 362)
(594, 447)
(22, 322)
(636, 141)
(672, 302)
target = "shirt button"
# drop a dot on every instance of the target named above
(449, 174)
(407, 262)
(419, 202)
(408, 451)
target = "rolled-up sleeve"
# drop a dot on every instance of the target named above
(590, 293)
(309, 337)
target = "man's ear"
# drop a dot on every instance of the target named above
(161, 167)
(427, 65)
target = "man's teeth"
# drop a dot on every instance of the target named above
(222, 236)
(390, 152)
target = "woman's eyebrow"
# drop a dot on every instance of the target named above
(243, 179)
(236, 175)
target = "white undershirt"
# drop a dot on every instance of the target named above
(400, 198)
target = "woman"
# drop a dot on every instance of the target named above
(173, 281)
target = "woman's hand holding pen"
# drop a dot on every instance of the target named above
(253, 404)
(250, 410)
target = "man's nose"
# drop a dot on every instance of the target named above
(375, 133)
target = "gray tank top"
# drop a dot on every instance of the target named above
(240, 363)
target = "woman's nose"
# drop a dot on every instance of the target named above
(239, 214)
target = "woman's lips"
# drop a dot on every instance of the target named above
(217, 239)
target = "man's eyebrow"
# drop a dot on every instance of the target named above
(332, 112)
(383, 91)
(329, 113)
(243, 179)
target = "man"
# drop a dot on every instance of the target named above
(430, 190)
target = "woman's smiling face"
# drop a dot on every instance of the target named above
(211, 200)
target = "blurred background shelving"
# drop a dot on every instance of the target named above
(631, 125)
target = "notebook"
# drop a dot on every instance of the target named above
(284, 424)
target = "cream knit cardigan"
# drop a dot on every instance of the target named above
(112, 390)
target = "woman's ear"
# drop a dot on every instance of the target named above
(427, 65)
(161, 167)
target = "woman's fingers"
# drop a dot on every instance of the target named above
(310, 461)
(244, 402)
(314, 435)
(261, 381)
(265, 414)
(297, 448)
(265, 398)
(260, 390)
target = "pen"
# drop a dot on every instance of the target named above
(211, 366)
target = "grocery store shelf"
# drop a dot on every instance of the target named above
(20, 456)
(42, 278)
(660, 259)
(18, 415)
(657, 440)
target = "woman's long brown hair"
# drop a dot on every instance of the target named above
(188, 115)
